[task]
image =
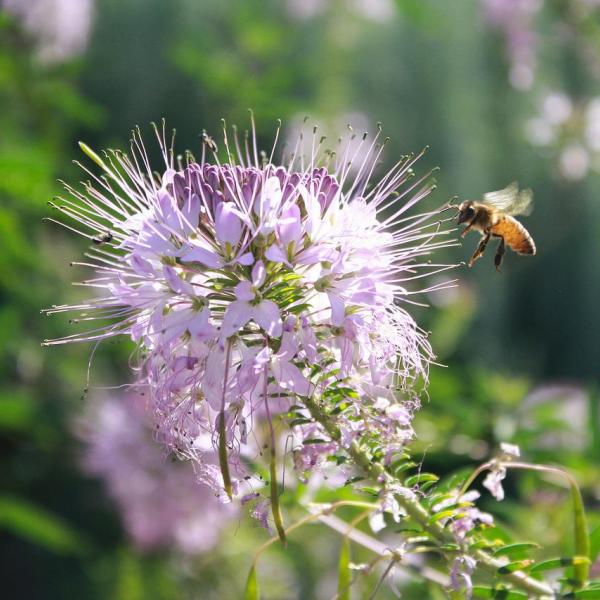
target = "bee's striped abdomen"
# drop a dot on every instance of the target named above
(514, 234)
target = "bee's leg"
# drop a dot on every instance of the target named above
(466, 230)
(500, 254)
(480, 248)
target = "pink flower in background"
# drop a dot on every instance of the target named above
(160, 501)
(568, 129)
(61, 28)
(515, 20)
(251, 287)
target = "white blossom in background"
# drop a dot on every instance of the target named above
(568, 130)
(515, 20)
(375, 10)
(61, 28)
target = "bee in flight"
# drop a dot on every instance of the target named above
(494, 216)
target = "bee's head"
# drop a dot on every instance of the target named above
(466, 211)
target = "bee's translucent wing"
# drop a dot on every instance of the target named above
(510, 200)
(523, 204)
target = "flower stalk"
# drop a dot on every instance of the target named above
(274, 484)
(415, 510)
(223, 458)
(581, 544)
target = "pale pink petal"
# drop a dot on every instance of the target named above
(276, 254)
(203, 256)
(267, 315)
(191, 211)
(313, 211)
(175, 282)
(259, 273)
(289, 377)
(289, 346)
(212, 383)
(228, 226)
(315, 254)
(245, 259)
(308, 339)
(290, 224)
(244, 291)
(238, 313)
(270, 198)
(200, 326)
(338, 309)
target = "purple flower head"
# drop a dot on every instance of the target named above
(254, 289)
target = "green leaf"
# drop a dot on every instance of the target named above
(251, 591)
(557, 563)
(517, 565)
(420, 478)
(344, 573)
(582, 542)
(594, 544)
(38, 526)
(590, 594)
(451, 513)
(301, 421)
(512, 549)
(17, 412)
(403, 467)
(483, 591)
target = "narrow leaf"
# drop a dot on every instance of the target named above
(594, 544)
(517, 565)
(420, 478)
(223, 462)
(483, 591)
(557, 563)
(38, 526)
(445, 514)
(251, 592)
(512, 549)
(589, 594)
(582, 542)
(344, 573)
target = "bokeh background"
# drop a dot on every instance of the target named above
(500, 90)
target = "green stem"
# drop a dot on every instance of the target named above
(223, 462)
(313, 517)
(275, 506)
(412, 506)
(581, 538)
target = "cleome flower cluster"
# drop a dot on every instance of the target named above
(257, 292)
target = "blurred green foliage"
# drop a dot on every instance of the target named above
(521, 350)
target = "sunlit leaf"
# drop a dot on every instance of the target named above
(251, 591)
(557, 563)
(38, 526)
(420, 478)
(517, 565)
(512, 549)
(594, 544)
(482, 591)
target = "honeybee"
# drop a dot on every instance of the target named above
(494, 216)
